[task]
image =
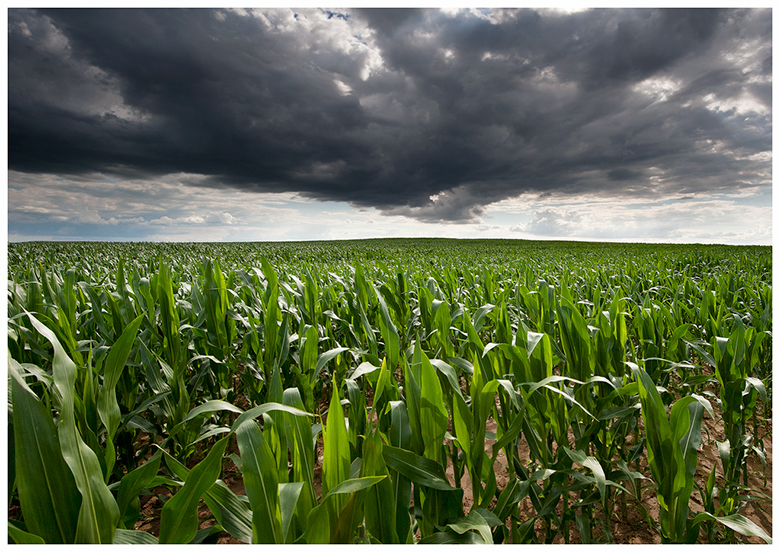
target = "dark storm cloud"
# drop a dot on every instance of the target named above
(415, 112)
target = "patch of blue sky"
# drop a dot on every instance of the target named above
(763, 198)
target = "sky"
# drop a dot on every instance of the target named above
(645, 125)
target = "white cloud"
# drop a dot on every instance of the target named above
(45, 207)
(344, 88)
(552, 222)
(221, 218)
(698, 219)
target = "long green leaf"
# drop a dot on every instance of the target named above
(131, 485)
(47, 490)
(264, 409)
(473, 522)
(98, 514)
(322, 525)
(736, 522)
(594, 466)
(19, 536)
(108, 407)
(327, 356)
(380, 502)
(231, 512)
(125, 536)
(289, 494)
(418, 469)
(336, 459)
(179, 517)
(207, 408)
(433, 415)
(262, 484)
(400, 437)
(350, 486)
(303, 460)
(743, 525)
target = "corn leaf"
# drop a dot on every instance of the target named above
(108, 407)
(380, 503)
(336, 459)
(738, 523)
(231, 512)
(20, 536)
(125, 536)
(418, 469)
(289, 494)
(47, 490)
(131, 485)
(262, 484)
(264, 409)
(98, 514)
(179, 517)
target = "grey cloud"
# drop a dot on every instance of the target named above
(762, 92)
(457, 205)
(388, 21)
(766, 66)
(623, 174)
(391, 108)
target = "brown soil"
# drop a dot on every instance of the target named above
(634, 529)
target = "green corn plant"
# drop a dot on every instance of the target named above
(672, 443)
(337, 517)
(302, 456)
(98, 513)
(179, 518)
(50, 504)
(276, 503)
(399, 437)
(336, 460)
(268, 497)
(386, 394)
(421, 356)
(231, 513)
(532, 361)
(272, 336)
(428, 419)
(738, 396)
(174, 402)
(143, 477)
(357, 418)
(309, 365)
(261, 480)
(215, 305)
(469, 423)
(305, 366)
(107, 405)
(392, 341)
(708, 495)
(380, 500)
(429, 484)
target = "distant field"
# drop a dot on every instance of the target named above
(393, 391)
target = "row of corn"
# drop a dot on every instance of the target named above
(352, 386)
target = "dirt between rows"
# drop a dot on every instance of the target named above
(634, 529)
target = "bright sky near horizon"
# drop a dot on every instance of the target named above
(280, 124)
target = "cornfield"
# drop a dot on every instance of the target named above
(388, 391)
